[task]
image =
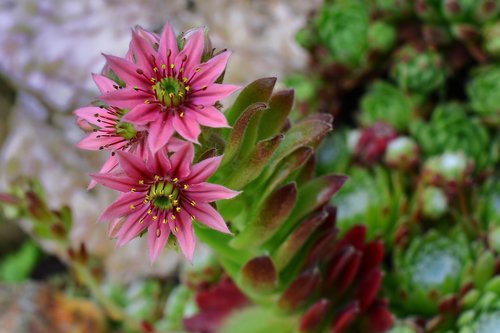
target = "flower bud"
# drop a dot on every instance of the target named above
(402, 153)
(373, 142)
(434, 202)
(451, 167)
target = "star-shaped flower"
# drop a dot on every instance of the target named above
(167, 89)
(164, 195)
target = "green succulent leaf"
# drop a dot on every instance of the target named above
(258, 91)
(270, 217)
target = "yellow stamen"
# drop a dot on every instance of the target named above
(141, 182)
(163, 66)
(177, 209)
(155, 69)
(186, 186)
(132, 207)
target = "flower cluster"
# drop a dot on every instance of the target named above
(148, 117)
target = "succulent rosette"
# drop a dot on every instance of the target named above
(418, 71)
(385, 102)
(482, 91)
(432, 268)
(342, 28)
(169, 89)
(163, 195)
(450, 129)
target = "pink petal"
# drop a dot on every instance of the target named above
(185, 234)
(168, 44)
(160, 131)
(143, 52)
(181, 162)
(122, 206)
(187, 127)
(212, 94)
(175, 144)
(209, 116)
(95, 141)
(210, 70)
(142, 114)
(190, 56)
(207, 215)
(90, 113)
(108, 166)
(126, 98)
(206, 192)
(105, 84)
(202, 170)
(151, 37)
(158, 233)
(119, 183)
(133, 165)
(126, 71)
(159, 163)
(132, 226)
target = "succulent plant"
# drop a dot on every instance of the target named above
(342, 28)
(385, 102)
(432, 268)
(451, 130)
(418, 71)
(482, 91)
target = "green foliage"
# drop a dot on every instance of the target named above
(17, 266)
(342, 28)
(421, 72)
(450, 129)
(385, 102)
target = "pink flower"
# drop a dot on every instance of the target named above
(164, 195)
(109, 131)
(167, 89)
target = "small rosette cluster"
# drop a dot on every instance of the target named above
(153, 104)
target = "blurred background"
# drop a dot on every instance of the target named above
(414, 90)
(48, 49)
